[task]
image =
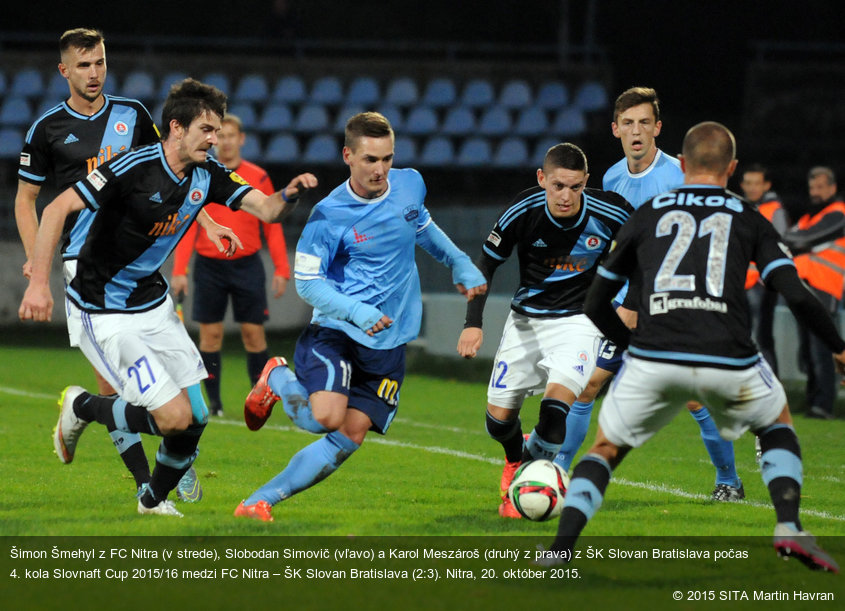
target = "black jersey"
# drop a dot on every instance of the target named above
(689, 250)
(65, 146)
(557, 257)
(142, 211)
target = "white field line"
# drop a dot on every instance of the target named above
(650, 486)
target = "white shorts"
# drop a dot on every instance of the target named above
(535, 352)
(72, 313)
(646, 395)
(147, 356)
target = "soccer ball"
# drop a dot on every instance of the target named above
(537, 490)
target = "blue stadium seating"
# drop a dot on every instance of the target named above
(404, 152)
(395, 116)
(251, 150)
(45, 105)
(27, 83)
(321, 148)
(540, 148)
(327, 90)
(515, 94)
(475, 152)
(496, 121)
(552, 95)
(57, 87)
(591, 96)
(569, 122)
(478, 93)
(282, 148)
(139, 85)
(421, 121)
(219, 80)
(275, 117)
(459, 121)
(11, 143)
(311, 118)
(167, 81)
(439, 93)
(15, 112)
(343, 115)
(402, 92)
(511, 153)
(437, 151)
(246, 113)
(363, 91)
(531, 121)
(252, 88)
(290, 89)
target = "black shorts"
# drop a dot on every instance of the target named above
(215, 280)
(328, 359)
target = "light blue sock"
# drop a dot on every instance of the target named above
(540, 448)
(310, 465)
(283, 382)
(721, 451)
(577, 424)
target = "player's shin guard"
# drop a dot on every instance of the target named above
(583, 499)
(577, 424)
(508, 433)
(782, 471)
(309, 466)
(283, 382)
(175, 456)
(548, 435)
(721, 452)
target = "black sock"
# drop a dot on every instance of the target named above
(508, 433)
(572, 520)
(213, 365)
(255, 362)
(178, 448)
(784, 490)
(101, 409)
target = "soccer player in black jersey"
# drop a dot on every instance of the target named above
(559, 230)
(144, 202)
(690, 248)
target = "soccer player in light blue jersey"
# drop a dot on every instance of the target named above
(644, 172)
(355, 264)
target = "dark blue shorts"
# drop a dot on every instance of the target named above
(215, 280)
(327, 359)
(609, 357)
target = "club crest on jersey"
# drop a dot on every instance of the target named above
(237, 178)
(196, 195)
(593, 242)
(97, 180)
(494, 238)
(410, 213)
(121, 128)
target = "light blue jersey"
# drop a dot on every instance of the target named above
(364, 248)
(664, 174)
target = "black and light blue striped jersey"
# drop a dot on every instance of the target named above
(557, 257)
(142, 210)
(64, 146)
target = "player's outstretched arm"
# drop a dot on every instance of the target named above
(469, 343)
(465, 275)
(37, 303)
(26, 218)
(321, 295)
(271, 208)
(217, 233)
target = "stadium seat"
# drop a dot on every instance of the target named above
(167, 81)
(139, 85)
(246, 113)
(496, 121)
(421, 121)
(404, 152)
(290, 89)
(591, 96)
(251, 150)
(402, 92)
(478, 93)
(395, 116)
(439, 93)
(282, 148)
(552, 95)
(112, 86)
(327, 90)
(15, 112)
(11, 143)
(322, 148)
(511, 153)
(219, 80)
(156, 112)
(252, 88)
(46, 105)
(312, 118)
(437, 151)
(28, 83)
(343, 115)
(515, 94)
(363, 91)
(531, 121)
(540, 148)
(459, 121)
(57, 87)
(275, 117)
(474, 152)
(569, 122)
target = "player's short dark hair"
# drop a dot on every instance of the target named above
(709, 146)
(565, 155)
(80, 38)
(187, 100)
(370, 124)
(821, 170)
(634, 97)
(758, 168)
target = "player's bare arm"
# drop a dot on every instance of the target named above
(27, 220)
(217, 233)
(270, 208)
(469, 343)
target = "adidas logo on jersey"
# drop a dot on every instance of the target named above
(156, 197)
(540, 244)
(71, 139)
